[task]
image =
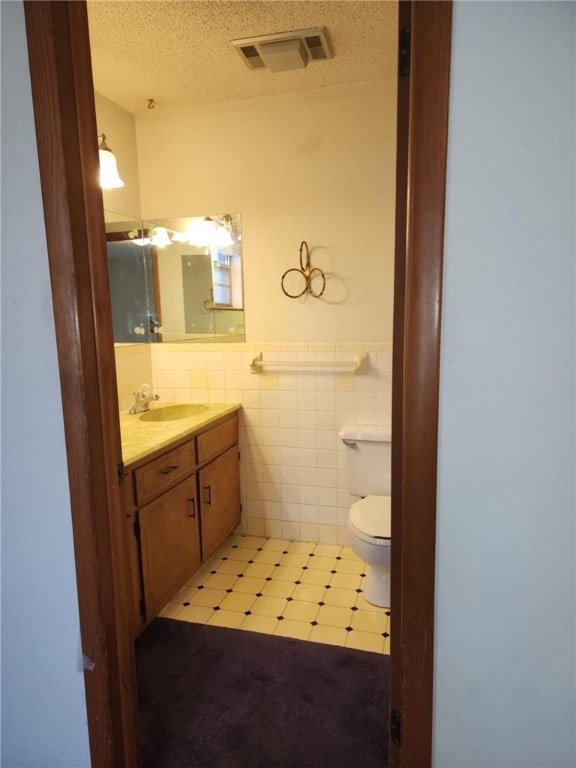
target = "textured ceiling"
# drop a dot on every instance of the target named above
(178, 52)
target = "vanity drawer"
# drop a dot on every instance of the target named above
(218, 439)
(162, 473)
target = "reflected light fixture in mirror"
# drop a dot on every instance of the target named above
(222, 237)
(206, 231)
(160, 237)
(109, 177)
(215, 235)
(200, 231)
(137, 237)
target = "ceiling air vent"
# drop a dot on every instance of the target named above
(285, 50)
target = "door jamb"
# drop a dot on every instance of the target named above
(420, 199)
(65, 120)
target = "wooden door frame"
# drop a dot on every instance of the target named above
(422, 137)
(62, 91)
(65, 119)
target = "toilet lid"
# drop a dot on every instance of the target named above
(371, 516)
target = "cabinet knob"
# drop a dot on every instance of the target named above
(192, 507)
(169, 469)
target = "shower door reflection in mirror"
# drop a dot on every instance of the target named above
(133, 288)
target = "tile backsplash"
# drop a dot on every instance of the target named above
(292, 461)
(133, 367)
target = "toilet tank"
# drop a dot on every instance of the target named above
(367, 450)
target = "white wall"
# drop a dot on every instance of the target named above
(43, 701)
(504, 676)
(316, 166)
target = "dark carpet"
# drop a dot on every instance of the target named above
(224, 698)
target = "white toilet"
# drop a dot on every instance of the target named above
(368, 467)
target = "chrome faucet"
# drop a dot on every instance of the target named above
(142, 399)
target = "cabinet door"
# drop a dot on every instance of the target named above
(170, 544)
(219, 499)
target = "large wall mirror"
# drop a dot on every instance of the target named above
(176, 279)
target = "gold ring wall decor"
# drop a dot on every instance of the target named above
(302, 278)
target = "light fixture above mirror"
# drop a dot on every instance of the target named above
(207, 231)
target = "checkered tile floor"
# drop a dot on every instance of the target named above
(288, 588)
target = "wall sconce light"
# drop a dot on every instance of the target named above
(109, 178)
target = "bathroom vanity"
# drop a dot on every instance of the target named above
(181, 484)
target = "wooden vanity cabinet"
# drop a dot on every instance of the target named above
(179, 506)
(169, 543)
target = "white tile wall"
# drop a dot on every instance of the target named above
(292, 473)
(133, 367)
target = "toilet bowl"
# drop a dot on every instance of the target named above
(369, 528)
(368, 464)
